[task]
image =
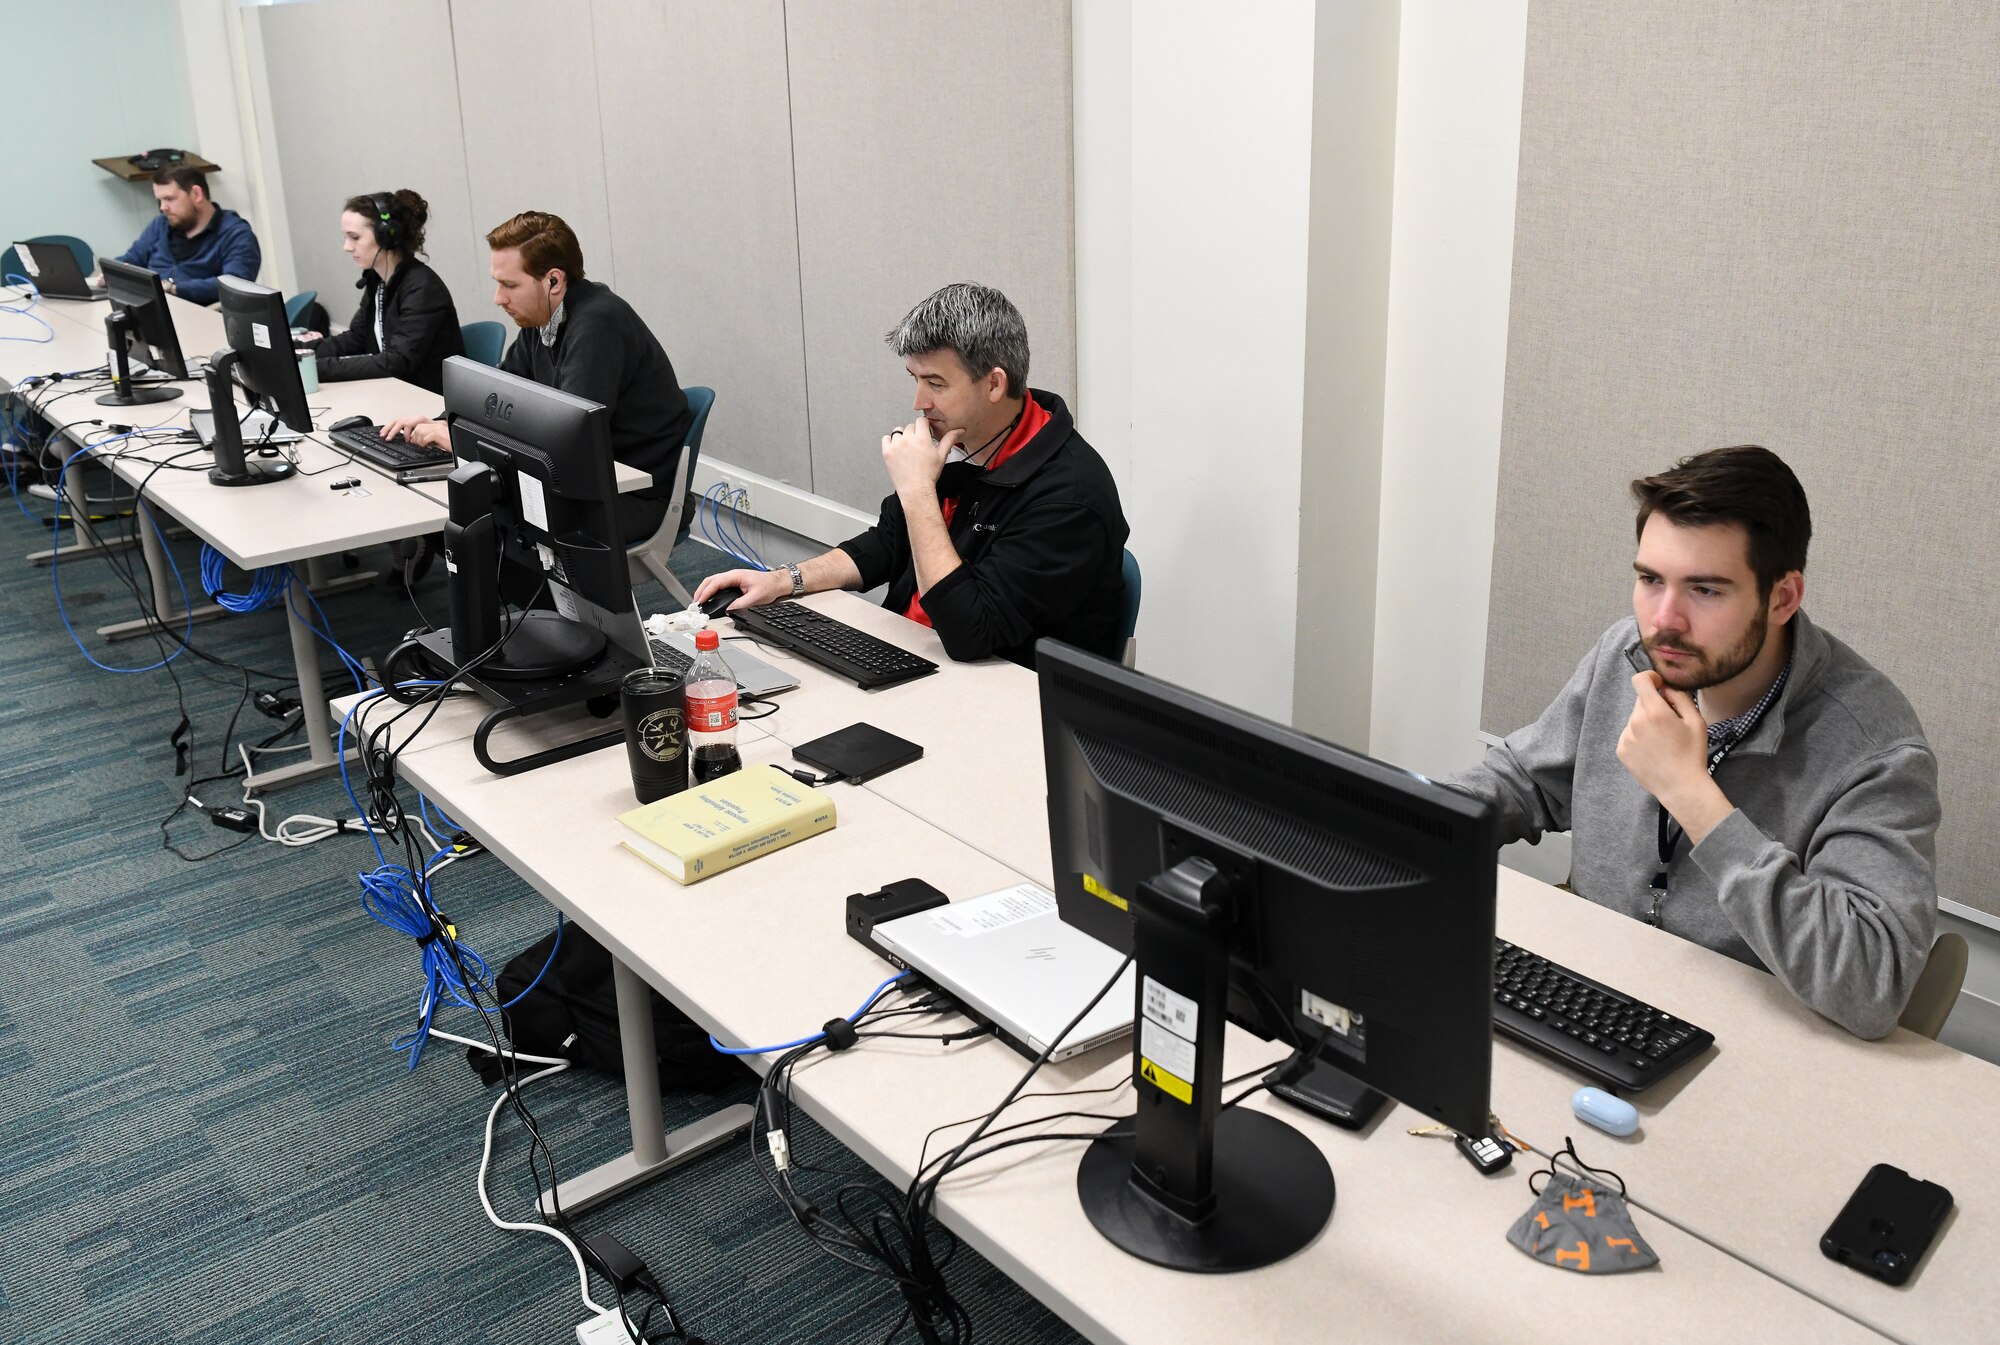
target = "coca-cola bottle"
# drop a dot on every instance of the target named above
(709, 692)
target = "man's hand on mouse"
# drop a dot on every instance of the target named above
(1665, 748)
(914, 459)
(419, 430)
(759, 587)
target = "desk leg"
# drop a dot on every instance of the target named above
(312, 703)
(171, 618)
(653, 1151)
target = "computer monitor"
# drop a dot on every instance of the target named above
(259, 359)
(535, 489)
(140, 326)
(1308, 893)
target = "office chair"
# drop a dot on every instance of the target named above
(86, 260)
(484, 341)
(1129, 622)
(1937, 989)
(649, 558)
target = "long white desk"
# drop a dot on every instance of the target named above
(1742, 1160)
(1416, 1248)
(293, 523)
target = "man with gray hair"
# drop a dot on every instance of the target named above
(1003, 525)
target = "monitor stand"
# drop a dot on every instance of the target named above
(543, 661)
(230, 467)
(123, 392)
(1184, 1184)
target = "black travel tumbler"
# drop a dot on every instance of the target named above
(655, 732)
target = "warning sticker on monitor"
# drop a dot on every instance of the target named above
(1170, 1009)
(534, 505)
(1103, 893)
(1165, 1080)
(261, 334)
(995, 910)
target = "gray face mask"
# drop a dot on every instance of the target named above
(1581, 1223)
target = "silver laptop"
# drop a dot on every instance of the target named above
(1009, 958)
(258, 428)
(675, 650)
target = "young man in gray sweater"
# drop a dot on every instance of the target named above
(1728, 770)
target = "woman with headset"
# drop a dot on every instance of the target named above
(406, 326)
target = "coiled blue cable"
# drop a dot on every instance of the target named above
(866, 1005)
(28, 312)
(267, 585)
(401, 900)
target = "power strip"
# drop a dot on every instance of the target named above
(605, 1330)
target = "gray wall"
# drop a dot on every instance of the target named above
(1773, 224)
(770, 183)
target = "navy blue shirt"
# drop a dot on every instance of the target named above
(226, 247)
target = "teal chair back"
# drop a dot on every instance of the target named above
(296, 306)
(1129, 620)
(700, 401)
(484, 341)
(86, 260)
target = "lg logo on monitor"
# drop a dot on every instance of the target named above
(497, 409)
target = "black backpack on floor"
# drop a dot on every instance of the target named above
(573, 1013)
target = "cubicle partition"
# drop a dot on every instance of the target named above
(770, 182)
(1771, 224)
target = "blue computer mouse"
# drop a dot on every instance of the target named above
(1594, 1106)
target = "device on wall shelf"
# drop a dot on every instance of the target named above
(141, 167)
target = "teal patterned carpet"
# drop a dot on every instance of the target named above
(204, 1133)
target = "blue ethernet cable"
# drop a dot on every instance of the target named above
(55, 577)
(866, 1005)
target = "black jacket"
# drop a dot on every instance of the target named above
(604, 353)
(1042, 539)
(419, 323)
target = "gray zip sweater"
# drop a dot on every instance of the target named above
(1823, 875)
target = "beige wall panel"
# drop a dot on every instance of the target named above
(932, 144)
(528, 92)
(696, 133)
(364, 98)
(1774, 224)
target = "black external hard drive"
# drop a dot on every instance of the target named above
(858, 752)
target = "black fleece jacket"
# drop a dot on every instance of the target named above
(1042, 539)
(605, 353)
(419, 326)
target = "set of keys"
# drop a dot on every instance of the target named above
(1486, 1152)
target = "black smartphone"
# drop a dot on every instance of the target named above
(1330, 1092)
(1636, 656)
(1887, 1224)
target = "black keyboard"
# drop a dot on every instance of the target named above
(1610, 1036)
(667, 658)
(408, 461)
(834, 645)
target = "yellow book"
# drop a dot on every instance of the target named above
(732, 819)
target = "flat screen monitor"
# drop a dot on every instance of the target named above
(259, 359)
(138, 327)
(1308, 893)
(535, 489)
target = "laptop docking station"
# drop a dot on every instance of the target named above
(865, 910)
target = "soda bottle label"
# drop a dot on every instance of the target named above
(711, 714)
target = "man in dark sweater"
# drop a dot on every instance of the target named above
(193, 240)
(1004, 525)
(579, 337)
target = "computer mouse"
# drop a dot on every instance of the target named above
(351, 423)
(718, 602)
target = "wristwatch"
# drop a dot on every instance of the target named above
(798, 581)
